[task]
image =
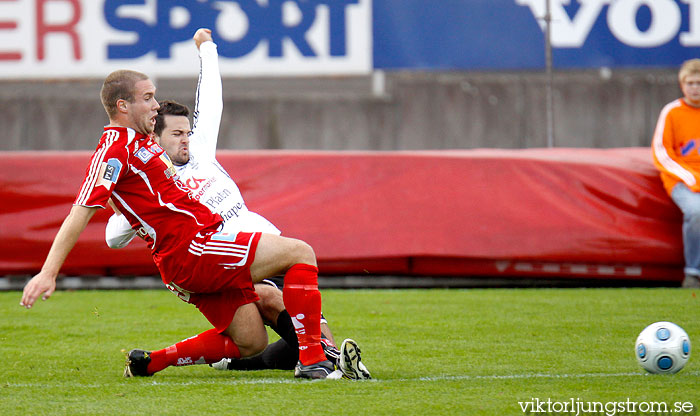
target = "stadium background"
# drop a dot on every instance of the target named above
(360, 126)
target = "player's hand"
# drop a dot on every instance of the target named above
(202, 35)
(43, 284)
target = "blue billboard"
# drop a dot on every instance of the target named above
(509, 34)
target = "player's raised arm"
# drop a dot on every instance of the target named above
(209, 101)
(202, 35)
(44, 283)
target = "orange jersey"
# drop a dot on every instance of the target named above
(676, 145)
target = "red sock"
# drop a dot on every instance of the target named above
(303, 302)
(206, 348)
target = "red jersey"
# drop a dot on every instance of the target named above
(137, 173)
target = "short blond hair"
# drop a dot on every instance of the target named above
(119, 85)
(689, 67)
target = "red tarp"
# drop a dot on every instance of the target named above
(535, 212)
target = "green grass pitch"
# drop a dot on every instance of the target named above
(431, 352)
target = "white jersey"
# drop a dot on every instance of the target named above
(210, 183)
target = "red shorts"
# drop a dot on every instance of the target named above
(215, 275)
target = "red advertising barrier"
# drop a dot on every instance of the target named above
(588, 213)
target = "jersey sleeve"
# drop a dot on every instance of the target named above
(106, 166)
(665, 155)
(209, 103)
(118, 232)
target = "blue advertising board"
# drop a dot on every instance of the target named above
(509, 34)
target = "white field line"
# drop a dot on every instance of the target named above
(291, 380)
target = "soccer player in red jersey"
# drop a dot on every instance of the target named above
(213, 270)
(192, 150)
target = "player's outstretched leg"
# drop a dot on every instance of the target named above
(205, 348)
(350, 361)
(137, 363)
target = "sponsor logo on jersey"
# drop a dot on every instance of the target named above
(194, 185)
(147, 152)
(155, 149)
(214, 201)
(170, 172)
(232, 212)
(182, 187)
(144, 154)
(114, 166)
(109, 172)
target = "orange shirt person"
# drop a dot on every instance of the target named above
(676, 151)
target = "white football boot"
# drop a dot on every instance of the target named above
(350, 362)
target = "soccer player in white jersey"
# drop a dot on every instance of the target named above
(193, 154)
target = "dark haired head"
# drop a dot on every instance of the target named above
(169, 108)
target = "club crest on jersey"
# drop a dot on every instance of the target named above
(109, 173)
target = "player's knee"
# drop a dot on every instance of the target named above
(259, 345)
(304, 253)
(252, 345)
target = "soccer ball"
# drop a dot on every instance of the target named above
(662, 348)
